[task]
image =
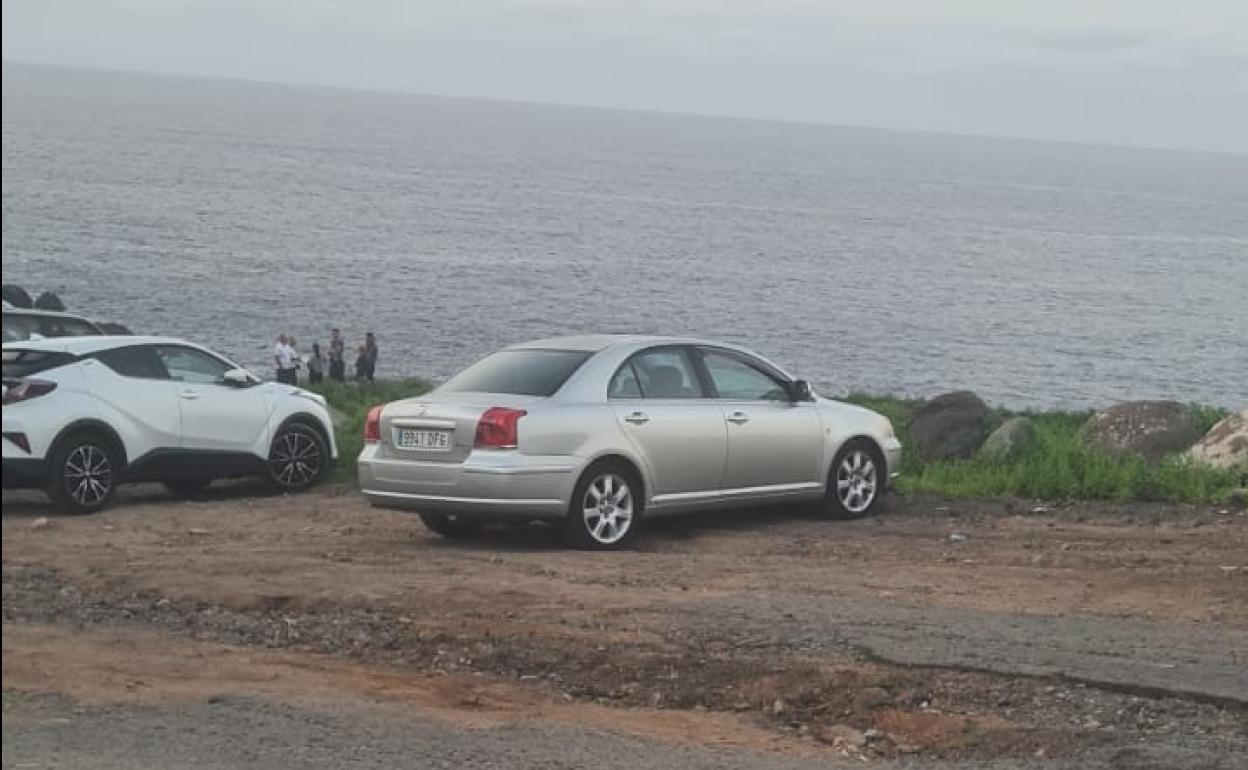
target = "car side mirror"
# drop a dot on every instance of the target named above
(239, 378)
(802, 391)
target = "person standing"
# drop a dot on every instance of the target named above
(370, 348)
(284, 358)
(337, 356)
(361, 362)
(316, 364)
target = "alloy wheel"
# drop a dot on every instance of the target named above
(856, 481)
(88, 475)
(295, 460)
(608, 508)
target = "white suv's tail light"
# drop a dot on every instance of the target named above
(25, 390)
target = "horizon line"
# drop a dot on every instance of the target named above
(793, 122)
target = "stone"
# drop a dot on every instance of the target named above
(1225, 445)
(841, 735)
(1152, 429)
(1014, 437)
(950, 426)
(49, 301)
(15, 295)
(1237, 498)
(40, 523)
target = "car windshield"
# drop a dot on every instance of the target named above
(518, 372)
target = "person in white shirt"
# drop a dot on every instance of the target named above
(284, 357)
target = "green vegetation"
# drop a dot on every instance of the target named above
(1060, 466)
(353, 400)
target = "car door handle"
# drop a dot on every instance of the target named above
(738, 418)
(637, 418)
(190, 395)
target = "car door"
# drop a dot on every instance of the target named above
(216, 416)
(661, 404)
(131, 381)
(775, 444)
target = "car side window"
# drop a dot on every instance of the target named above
(736, 380)
(624, 383)
(134, 361)
(666, 373)
(190, 365)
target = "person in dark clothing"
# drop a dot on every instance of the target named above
(370, 348)
(361, 362)
(337, 356)
(316, 364)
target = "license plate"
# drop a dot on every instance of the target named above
(426, 440)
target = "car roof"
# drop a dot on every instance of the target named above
(593, 343)
(91, 344)
(11, 310)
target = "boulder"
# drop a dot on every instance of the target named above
(1153, 429)
(949, 426)
(49, 301)
(1015, 436)
(1226, 444)
(15, 295)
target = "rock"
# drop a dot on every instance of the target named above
(15, 295)
(1149, 428)
(958, 537)
(40, 523)
(1015, 436)
(949, 426)
(778, 707)
(198, 531)
(1225, 445)
(872, 698)
(1237, 498)
(841, 735)
(49, 301)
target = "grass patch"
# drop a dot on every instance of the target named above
(353, 400)
(1061, 465)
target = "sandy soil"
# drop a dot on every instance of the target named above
(944, 631)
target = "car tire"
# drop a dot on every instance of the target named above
(855, 481)
(606, 507)
(187, 488)
(451, 527)
(298, 458)
(84, 470)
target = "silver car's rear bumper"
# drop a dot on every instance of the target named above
(495, 484)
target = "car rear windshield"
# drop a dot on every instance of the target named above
(24, 363)
(519, 372)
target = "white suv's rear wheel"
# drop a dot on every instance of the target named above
(84, 471)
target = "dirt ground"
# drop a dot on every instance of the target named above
(938, 632)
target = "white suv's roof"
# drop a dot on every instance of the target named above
(10, 309)
(83, 345)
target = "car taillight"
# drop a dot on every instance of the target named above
(25, 390)
(497, 427)
(372, 425)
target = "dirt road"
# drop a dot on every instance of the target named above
(314, 631)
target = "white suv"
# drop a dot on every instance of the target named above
(84, 414)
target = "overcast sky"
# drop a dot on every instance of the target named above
(1170, 73)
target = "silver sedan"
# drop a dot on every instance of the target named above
(595, 432)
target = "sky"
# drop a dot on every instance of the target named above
(1161, 73)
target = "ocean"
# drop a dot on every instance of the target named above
(1037, 274)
